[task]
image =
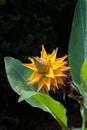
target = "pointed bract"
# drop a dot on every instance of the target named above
(49, 71)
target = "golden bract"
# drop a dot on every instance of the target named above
(49, 71)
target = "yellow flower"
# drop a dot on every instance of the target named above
(49, 71)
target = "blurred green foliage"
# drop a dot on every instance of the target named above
(2, 2)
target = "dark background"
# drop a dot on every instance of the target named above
(24, 26)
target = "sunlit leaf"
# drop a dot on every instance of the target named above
(84, 75)
(55, 108)
(84, 82)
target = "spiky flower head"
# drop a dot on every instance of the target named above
(48, 71)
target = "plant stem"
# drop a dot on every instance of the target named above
(83, 124)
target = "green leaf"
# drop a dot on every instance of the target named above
(84, 82)
(55, 108)
(78, 40)
(84, 100)
(17, 76)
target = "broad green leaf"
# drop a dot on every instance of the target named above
(78, 40)
(55, 108)
(17, 76)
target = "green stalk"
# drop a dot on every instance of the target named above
(84, 117)
(83, 124)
